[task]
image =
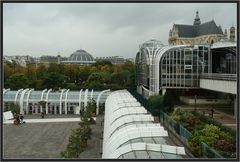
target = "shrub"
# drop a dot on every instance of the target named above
(157, 103)
(14, 108)
(187, 119)
(168, 101)
(214, 137)
(74, 148)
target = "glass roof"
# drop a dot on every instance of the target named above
(129, 131)
(53, 96)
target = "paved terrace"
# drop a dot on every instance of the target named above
(46, 138)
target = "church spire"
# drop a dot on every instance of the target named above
(197, 20)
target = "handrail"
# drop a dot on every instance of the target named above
(217, 76)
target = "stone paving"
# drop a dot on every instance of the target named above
(94, 147)
(46, 120)
(47, 139)
(36, 140)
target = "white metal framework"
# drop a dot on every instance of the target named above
(56, 102)
(128, 129)
(160, 67)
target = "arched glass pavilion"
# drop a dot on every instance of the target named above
(160, 67)
(63, 101)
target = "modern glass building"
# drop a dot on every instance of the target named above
(160, 67)
(63, 101)
(131, 133)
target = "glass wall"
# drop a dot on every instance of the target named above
(142, 68)
(180, 67)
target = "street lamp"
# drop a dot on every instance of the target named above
(195, 101)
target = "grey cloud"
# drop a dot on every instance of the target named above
(103, 29)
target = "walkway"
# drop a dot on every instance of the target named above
(46, 120)
(94, 147)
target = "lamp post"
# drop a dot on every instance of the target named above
(195, 103)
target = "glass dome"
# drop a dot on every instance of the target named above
(152, 43)
(81, 56)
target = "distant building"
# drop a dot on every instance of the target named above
(130, 59)
(198, 33)
(80, 57)
(112, 59)
(51, 59)
(232, 34)
(20, 60)
(48, 59)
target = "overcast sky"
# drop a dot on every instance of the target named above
(102, 29)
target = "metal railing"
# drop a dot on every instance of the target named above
(217, 76)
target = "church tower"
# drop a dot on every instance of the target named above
(232, 34)
(225, 34)
(197, 20)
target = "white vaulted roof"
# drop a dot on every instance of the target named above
(130, 131)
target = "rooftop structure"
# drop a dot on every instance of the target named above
(20, 60)
(112, 59)
(63, 101)
(198, 33)
(80, 57)
(129, 131)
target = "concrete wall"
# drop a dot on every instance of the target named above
(219, 85)
(202, 101)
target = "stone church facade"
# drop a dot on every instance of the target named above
(199, 33)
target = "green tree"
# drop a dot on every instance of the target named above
(55, 80)
(41, 71)
(157, 103)
(168, 100)
(102, 63)
(83, 74)
(71, 86)
(17, 81)
(54, 67)
(74, 148)
(14, 108)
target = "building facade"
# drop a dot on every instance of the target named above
(112, 59)
(198, 33)
(159, 67)
(20, 60)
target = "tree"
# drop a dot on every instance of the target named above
(14, 108)
(42, 103)
(8, 71)
(83, 74)
(157, 103)
(55, 80)
(103, 62)
(41, 71)
(79, 136)
(128, 65)
(74, 148)
(17, 81)
(168, 101)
